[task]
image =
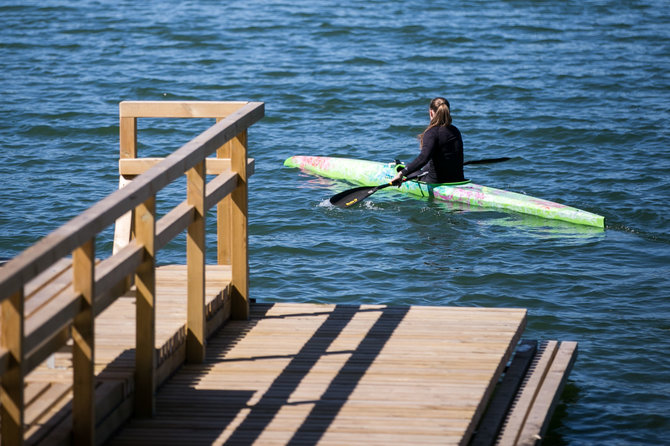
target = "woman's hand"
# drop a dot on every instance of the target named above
(397, 181)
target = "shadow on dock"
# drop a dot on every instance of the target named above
(341, 387)
(222, 407)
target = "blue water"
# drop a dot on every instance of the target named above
(576, 93)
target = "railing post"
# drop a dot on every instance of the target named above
(223, 215)
(83, 349)
(145, 311)
(12, 410)
(127, 149)
(195, 265)
(238, 233)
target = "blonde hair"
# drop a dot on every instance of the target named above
(441, 117)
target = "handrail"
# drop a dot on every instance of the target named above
(71, 311)
(94, 220)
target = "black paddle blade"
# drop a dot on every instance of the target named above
(351, 197)
(488, 161)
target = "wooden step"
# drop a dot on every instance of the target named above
(525, 399)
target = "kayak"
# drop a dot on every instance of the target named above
(371, 173)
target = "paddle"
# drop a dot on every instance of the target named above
(350, 197)
(487, 161)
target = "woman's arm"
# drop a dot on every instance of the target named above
(427, 147)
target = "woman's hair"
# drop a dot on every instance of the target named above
(442, 116)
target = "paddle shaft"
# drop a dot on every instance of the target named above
(352, 196)
(356, 195)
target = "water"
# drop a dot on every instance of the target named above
(577, 93)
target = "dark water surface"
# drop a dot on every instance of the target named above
(577, 93)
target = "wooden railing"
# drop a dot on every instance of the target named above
(96, 283)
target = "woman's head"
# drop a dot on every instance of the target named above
(440, 115)
(439, 112)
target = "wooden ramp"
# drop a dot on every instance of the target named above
(336, 374)
(525, 398)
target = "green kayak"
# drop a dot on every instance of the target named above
(371, 173)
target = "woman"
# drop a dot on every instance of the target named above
(441, 148)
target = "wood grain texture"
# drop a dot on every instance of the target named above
(531, 412)
(83, 346)
(336, 374)
(178, 109)
(136, 166)
(195, 265)
(238, 233)
(548, 394)
(223, 214)
(48, 391)
(145, 309)
(12, 409)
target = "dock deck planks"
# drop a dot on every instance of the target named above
(337, 374)
(304, 373)
(49, 386)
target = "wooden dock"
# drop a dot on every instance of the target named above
(121, 351)
(331, 374)
(307, 374)
(49, 388)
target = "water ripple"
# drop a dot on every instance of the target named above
(576, 93)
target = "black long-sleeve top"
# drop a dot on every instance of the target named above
(442, 154)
